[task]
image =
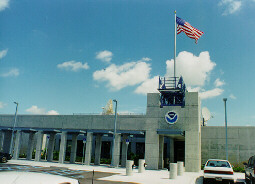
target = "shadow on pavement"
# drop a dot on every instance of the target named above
(200, 181)
(84, 177)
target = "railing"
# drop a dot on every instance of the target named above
(172, 91)
(121, 113)
(168, 82)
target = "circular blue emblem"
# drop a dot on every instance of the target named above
(171, 117)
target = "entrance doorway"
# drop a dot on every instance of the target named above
(179, 151)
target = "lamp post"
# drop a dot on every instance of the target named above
(15, 120)
(114, 133)
(226, 125)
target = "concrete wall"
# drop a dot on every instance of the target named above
(125, 122)
(188, 121)
(241, 144)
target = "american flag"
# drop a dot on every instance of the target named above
(183, 26)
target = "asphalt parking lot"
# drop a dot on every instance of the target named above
(199, 180)
(84, 177)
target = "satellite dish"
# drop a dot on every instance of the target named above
(108, 110)
(206, 115)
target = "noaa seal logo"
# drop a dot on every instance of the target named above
(171, 117)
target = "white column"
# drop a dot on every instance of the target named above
(50, 148)
(62, 149)
(179, 168)
(17, 145)
(73, 148)
(124, 150)
(88, 148)
(141, 168)
(161, 152)
(39, 145)
(116, 152)
(129, 169)
(30, 145)
(98, 149)
(151, 149)
(173, 171)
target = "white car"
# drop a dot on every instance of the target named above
(14, 177)
(218, 170)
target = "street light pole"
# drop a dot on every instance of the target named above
(15, 120)
(226, 125)
(114, 133)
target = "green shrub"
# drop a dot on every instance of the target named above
(55, 155)
(43, 154)
(238, 169)
(135, 157)
(78, 159)
(33, 154)
(22, 155)
(105, 161)
(67, 158)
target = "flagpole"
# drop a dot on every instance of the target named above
(174, 48)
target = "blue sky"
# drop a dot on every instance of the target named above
(65, 57)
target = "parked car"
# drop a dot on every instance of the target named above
(218, 170)
(6, 155)
(15, 177)
(250, 170)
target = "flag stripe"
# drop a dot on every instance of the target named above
(190, 31)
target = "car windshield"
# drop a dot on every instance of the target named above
(217, 163)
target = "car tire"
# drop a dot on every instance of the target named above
(247, 181)
(205, 181)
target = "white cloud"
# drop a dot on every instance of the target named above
(211, 93)
(4, 4)
(3, 52)
(73, 66)
(218, 82)
(205, 94)
(148, 86)
(52, 112)
(194, 69)
(12, 73)
(105, 56)
(232, 96)
(128, 74)
(36, 110)
(231, 6)
(196, 89)
(2, 105)
(146, 59)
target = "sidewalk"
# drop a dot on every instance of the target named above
(148, 177)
